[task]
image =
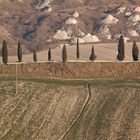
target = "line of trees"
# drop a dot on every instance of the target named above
(121, 50)
(120, 55)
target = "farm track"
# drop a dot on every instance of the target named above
(113, 114)
(66, 112)
(82, 111)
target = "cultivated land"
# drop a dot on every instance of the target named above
(69, 110)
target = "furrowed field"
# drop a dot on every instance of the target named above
(69, 110)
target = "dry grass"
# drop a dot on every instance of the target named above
(111, 114)
(40, 111)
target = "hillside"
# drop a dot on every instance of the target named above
(40, 24)
(102, 109)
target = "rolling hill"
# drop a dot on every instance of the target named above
(40, 24)
(66, 110)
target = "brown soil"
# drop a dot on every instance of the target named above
(75, 70)
(57, 112)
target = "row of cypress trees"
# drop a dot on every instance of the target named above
(19, 53)
(35, 55)
(5, 52)
(64, 54)
(121, 50)
(120, 55)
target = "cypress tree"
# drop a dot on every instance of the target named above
(121, 49)
(49, 55)
(135, 52)
(78, 50)
(64, 54)
(92, 56)
(4, 52)
(34, 56)
(19, 51)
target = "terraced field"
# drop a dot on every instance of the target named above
(70, 110)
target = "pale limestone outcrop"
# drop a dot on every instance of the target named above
(81, 33)
(133, 33)
(137, 9)
(134, 18)
(90, 38)
(61, 35)
(121, 10)
(104, 31)
(127, 14)
(75, 14)
(126, 39)
(41, 5)
(71, 20)
(110, 20)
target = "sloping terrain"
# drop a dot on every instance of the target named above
(111, 114)
(39, 111)
(40, 24)
(99, 110)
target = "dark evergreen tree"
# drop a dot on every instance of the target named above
(49, 55)
(135, 52)
(92, 56)
(121, 49)
(19, 51)
(78, 49)
(64, 54)
(4, 52)
(34, 56)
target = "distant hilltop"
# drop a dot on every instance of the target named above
(41, 24)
